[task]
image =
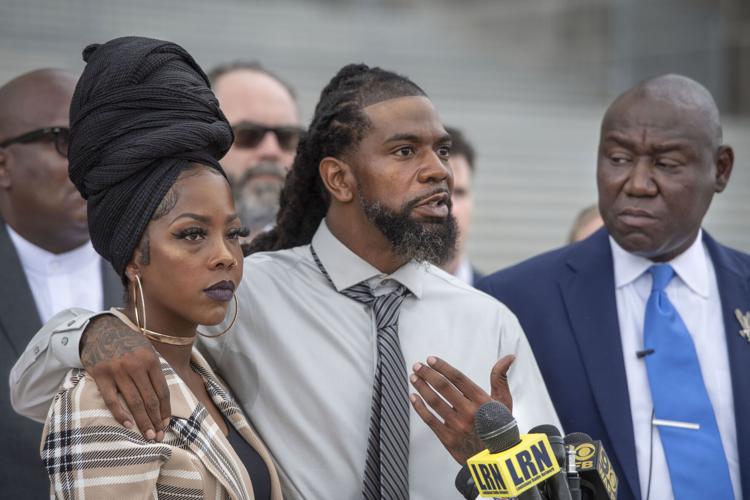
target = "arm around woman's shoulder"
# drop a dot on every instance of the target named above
(52, 351)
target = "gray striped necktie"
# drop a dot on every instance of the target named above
(387, 461)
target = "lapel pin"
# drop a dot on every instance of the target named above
(744, 320)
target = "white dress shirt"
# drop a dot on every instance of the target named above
(301, 361)
(694, 293)
(61, 281)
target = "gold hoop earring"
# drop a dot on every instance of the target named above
(234, 318)
(150, 334)
(143, 303)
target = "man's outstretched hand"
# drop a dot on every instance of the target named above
(122, 361)
(455, 399)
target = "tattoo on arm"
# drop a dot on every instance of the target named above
(105, 338)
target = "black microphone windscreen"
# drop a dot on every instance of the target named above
(496, 427)
(555, 441)
(575, 438)
(465, 484)
(549, 430)
(598, 478)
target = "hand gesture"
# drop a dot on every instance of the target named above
(455, 399)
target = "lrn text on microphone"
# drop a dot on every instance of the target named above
(512, 463)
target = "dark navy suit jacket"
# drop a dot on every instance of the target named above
(21, 472)
(565, 301)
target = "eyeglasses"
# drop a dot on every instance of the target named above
(250, 135)
(59, 135)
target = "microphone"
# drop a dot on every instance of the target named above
(598, 479)
(556, 487)
(574, 480)
(465, 484)
(513, 464)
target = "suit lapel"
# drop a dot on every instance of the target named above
(733, 280)
(18, 313)
(588, 291)
(204, 439)
(232, 411)
(197, 430)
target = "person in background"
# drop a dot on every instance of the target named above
(586, 223)
(638, 329)
(262, 109)
(462, 162)
(165, 220)
(44, 249)
(342, 300)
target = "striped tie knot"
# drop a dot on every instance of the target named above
(360, 292)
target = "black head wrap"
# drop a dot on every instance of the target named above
(141, 113)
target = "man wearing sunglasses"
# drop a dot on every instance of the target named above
(47, 263)
(263, 112)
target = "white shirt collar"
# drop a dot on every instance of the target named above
(38, 260)
(691, 266)
(347, 268)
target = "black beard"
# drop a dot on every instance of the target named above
(430, 241)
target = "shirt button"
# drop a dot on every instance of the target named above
(64, 341)
(36, 350)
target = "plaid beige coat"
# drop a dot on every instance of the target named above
(89, 455)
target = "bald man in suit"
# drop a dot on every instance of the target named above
(48, 263)
(585, 308)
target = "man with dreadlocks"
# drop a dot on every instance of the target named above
(340, 302)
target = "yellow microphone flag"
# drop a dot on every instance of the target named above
(511, 472)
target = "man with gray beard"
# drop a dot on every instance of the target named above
(262, 109)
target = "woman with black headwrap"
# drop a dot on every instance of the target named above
(146, 135)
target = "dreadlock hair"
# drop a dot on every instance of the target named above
(338, 125)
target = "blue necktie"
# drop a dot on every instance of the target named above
(695, 458)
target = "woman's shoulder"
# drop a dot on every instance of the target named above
(77, 405)
(80, 405)
(87, 452)
(79, 421)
